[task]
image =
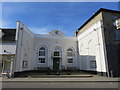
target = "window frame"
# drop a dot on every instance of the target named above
(24, 64)
(40, 61)
(93, 64)
(70, 53)
(42, 52)
(56, 53)
(70, 61)
(42, 55)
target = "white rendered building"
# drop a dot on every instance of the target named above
(37, 51)
(54, 50)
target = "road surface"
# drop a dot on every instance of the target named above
(60, 85)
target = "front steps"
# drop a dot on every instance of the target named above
(52, 74)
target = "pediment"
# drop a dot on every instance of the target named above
(57, 33)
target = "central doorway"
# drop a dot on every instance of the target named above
(56, 64)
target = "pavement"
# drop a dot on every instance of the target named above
(74, 77)
(75, 80)
(94, 78)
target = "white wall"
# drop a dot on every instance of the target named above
(50, 42)
(24, 41)
(91, 48)
(29, 42)
(10, 48)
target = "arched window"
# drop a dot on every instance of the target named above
(69, 52)
(70, 55)
(57, 52)
(41, 55)
(26, 55)
(42, 51)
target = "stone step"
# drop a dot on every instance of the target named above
(58, 76)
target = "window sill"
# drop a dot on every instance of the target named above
(41, 63)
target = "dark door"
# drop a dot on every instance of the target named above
(56, 63)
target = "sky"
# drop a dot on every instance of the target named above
(43, 17)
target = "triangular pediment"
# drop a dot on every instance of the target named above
(56, 32)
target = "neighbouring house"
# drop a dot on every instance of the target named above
(99, 43)
(8, 49)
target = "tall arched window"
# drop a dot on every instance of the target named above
(69, 52)
(26, 55)
(42, 55)
(70, 55)
(92, 54)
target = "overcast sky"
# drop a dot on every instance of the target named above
(43, 17)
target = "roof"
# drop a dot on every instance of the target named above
(100, 10)
(8, 34)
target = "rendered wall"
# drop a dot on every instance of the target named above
(91, 47)
(28, 46)
(8, 47)
(24, 47)
(50, 42)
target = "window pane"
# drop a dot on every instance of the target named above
(69, 54)
(70, 60)
(42, 48)
(25, 64)
(56, 54)
(93, 64)
(41, 60)
(41, 53)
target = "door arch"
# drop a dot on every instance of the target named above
(56, 57)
